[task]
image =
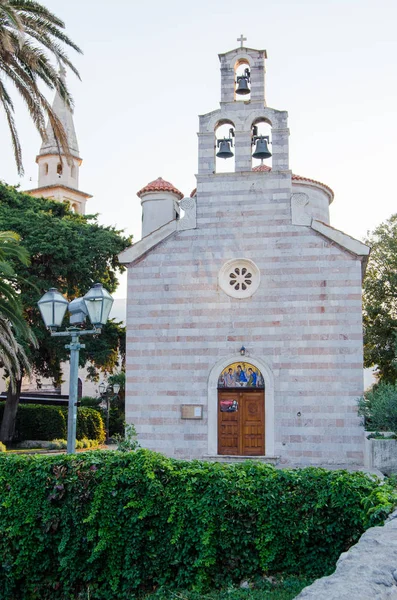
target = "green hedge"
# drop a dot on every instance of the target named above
(90, 424)
(115, 524)
(40, 422)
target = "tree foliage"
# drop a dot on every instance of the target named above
(378, 407)
(70, 252)
(380, 301)
(30, 36)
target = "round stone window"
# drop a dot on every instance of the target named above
(239, 278)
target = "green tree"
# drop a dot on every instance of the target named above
(13, 327)
(378, 406)
(380, 301)
(30, 36)
(70, 252)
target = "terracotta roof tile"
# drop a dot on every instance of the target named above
(262, 168)
(160, 185)
(193, 193)
(300, 178)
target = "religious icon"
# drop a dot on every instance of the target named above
(228, 405)
(241, 374)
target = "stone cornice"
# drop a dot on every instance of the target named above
(355, 247)
(56, 187)
(131, 254)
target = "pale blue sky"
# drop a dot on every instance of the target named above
(149, 68)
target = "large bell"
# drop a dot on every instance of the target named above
(242, 83)
(262, 150)
(224, 149)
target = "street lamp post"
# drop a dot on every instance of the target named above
(97, 304)
(107, 392)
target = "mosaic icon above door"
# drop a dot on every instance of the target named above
(241, 374)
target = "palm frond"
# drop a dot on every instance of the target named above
(30, 36)
(8, 109)
(10, 247)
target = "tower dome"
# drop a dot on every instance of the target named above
(160, 204)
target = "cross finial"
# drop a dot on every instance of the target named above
(241, 39)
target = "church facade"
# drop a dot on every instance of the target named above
(244, 330)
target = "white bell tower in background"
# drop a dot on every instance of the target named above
(57, 179)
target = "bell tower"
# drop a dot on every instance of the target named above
(58, 179)
(255, 130)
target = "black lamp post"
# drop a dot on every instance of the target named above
(107, 392)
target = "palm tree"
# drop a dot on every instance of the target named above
(30, 36)
(12, 354)
(12, 323)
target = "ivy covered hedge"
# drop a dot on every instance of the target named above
(116, 524)
(40, 422)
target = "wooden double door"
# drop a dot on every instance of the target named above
(241, 422)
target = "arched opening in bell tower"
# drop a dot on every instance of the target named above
(261, 139)
(242, 80)
(224, 147)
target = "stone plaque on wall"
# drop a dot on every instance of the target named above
(191, 411)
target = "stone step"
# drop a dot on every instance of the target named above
(272, 460)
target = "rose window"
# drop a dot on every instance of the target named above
(239, 278)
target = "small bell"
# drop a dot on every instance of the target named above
(262, 150)
(224, 148)
(242, 83)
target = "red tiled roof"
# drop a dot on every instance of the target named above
(194, 192)
(262, 168)
(160, 185)
(296, 177)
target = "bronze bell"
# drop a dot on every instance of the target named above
(242, 86)
(242, 83)
(224, 148)
(262, 150)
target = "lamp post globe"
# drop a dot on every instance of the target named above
(52, 308)
(102, 388)
(99, 304)
(116, 388)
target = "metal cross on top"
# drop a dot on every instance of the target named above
(241, 39)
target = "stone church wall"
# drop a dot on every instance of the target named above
(304, 323)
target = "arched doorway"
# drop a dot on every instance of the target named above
(213, 400)
(241, 410)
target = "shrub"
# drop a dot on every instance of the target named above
(128, 441)
(2, 447)
(40, 422)
(90, 425)
(378, 406)
(122, 523)
(90, 402)
(85, 443)
(58, 444)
